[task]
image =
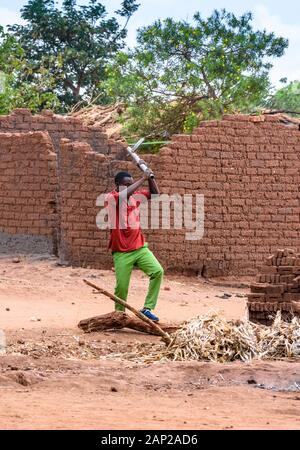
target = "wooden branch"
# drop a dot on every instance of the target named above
(141, 316)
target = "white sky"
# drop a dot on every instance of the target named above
(281, 17)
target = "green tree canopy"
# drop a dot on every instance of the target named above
(286, 98)
(73, 44)
(180, 72)
(16, 88)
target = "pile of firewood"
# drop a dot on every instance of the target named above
(105, 117)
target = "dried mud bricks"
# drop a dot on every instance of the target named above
(277, 287)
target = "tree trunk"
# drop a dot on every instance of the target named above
(118, 320)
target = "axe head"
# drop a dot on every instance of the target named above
(138, 144)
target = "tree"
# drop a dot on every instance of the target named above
(73, 44)
(286, 98)
(16, 89)
(180, 72)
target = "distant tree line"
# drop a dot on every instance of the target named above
(178, 73)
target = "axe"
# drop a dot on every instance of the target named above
(132, 151)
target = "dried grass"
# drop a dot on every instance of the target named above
(213, 338)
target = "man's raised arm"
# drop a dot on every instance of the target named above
(127, 192)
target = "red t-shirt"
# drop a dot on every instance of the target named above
(124, 220)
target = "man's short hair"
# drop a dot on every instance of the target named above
(120, 176)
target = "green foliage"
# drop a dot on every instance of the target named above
(16, 87)
(72, 45)
(286, 98)
(180, 73)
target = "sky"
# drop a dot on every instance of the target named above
(279, 16)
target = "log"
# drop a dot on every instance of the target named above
(118, 320)
(156, 328)
(114, 320)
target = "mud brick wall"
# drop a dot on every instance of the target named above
(59, 127)
(28, 188)
(277, 287)
(247, 168)
(83, 175)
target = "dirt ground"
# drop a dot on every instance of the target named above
(53, 376)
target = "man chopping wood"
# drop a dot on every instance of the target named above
(127, 242)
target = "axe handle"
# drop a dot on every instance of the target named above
(137, 160)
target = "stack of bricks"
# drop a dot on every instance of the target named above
(277, 287)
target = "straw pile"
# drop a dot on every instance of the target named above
(213, 338)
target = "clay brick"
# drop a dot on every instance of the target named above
(288, 252)
(256, 297)
(275, 289)
(296, 281)
(274, 298)
(268, 270)
(291, 297)
(287, 278)
(285, 270)
(258, 288)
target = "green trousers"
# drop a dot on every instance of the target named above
(144, 259)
